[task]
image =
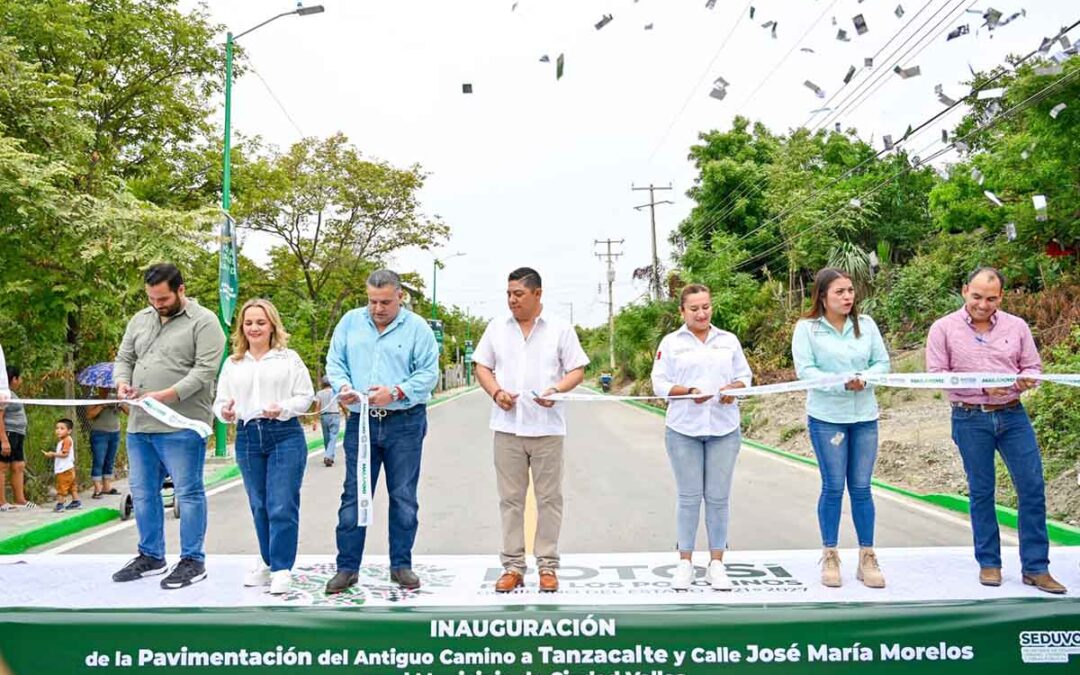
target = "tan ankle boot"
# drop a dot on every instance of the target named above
(830, 568)
(869, 572)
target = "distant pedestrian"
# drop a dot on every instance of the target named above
(64, 466)
(104, 443)
(329, 419)
(13, 429)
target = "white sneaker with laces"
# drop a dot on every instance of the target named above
(717, 576)
(259, 575)
(280, 582)
(683, 575)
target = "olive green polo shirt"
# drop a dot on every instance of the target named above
(183, 353)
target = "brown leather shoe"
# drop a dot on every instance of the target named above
(1044, 582)
(509, 580)
(549, 582)
(990, 576)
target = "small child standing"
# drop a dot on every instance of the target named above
(64, 466)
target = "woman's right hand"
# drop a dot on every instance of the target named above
(228, 413)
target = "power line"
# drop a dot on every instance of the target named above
(1031, 100)
(704, 74)
(652, 204)
(280, 105)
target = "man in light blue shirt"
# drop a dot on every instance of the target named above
(390, 354)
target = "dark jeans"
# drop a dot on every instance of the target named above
(103, 446)
(330, 425)
(978, 434)
(396, 443)
(272, 456)
(846, 455)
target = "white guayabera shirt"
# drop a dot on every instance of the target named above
(683, 359)
(523, 366)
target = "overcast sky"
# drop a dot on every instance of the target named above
(528, 170)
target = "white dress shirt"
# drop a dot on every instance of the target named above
(523, 366)
(683, 359)
(280, 377)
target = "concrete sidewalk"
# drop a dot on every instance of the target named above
(22, 530)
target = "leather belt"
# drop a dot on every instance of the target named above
(987, 407)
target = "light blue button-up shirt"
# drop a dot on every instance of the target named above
(819, 351)
(405, 354)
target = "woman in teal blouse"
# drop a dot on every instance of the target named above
(833, 339)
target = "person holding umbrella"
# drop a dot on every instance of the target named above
(104, 429)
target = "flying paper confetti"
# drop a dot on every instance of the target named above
(709, 4)
(807, 50)
(545, 59)
(466, 88)
(944, 135)
(1039, 201)
(855, 202)
(906, 73)
(899, 11)
(559, 67)
(850, 74)
(860, 24)
(939, 90)
(1010, 231)
(887, 140)
(604, 20)
(1056, 110)
(992, 197)
(751, 12)
(985, 94)
(977, 175)
(842, 36)
(868, 62)
(992, 17)
(957, 32)
(814, 88)
(648, 26)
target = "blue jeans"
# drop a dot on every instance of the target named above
(272, 456)
(977, 435)
(703, 468)
(845, 453)
(396, 442)
(330, 426)
(103, 446)
(181, 455)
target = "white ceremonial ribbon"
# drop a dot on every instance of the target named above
(905, 380)
(364, 508)
(156, 409)
(759, 390)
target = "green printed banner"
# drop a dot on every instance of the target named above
(983, 637)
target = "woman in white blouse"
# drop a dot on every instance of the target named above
(262, 388)
(702, 435)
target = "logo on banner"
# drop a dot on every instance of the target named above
(1049, 646)
(630, 580)
(309, 584)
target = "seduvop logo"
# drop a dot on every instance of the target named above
(1049, 646)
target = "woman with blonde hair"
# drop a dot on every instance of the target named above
(262, 388)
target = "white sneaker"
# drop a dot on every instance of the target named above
(280, 582)
(683, 575)
(717, 576)
(258, 576)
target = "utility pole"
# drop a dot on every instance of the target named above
(658, 293)
(610, 258)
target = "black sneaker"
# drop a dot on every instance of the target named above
(184, 573)
(139, 567)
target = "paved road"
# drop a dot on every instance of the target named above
(619, 496)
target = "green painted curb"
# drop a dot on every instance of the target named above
(21, 541)
(1060, 533)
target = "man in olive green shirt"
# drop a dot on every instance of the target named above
(171, 352)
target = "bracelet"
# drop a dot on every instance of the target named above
(496, 394)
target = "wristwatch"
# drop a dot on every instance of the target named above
(397, 393)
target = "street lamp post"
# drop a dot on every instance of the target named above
(220, 449)
(434, 277)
